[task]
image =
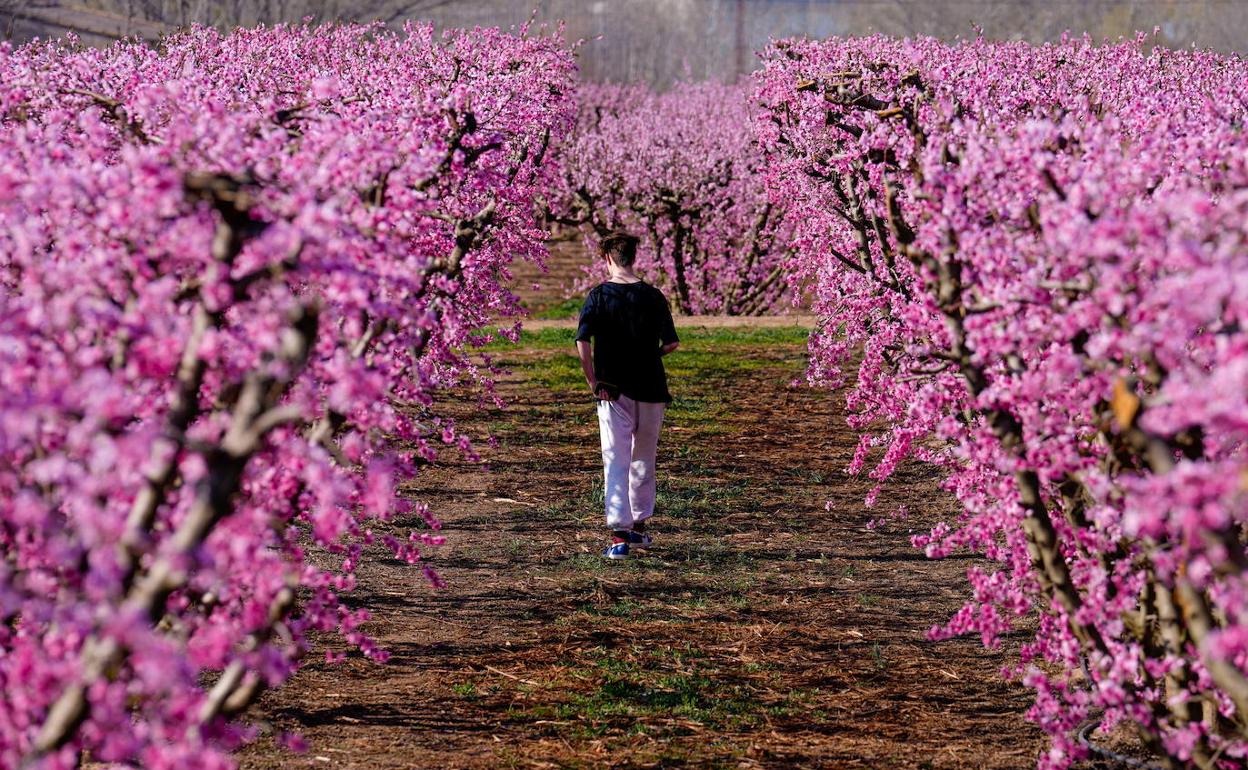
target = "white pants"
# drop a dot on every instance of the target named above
(630, 441)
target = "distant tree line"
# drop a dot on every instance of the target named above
(661, 42)
(230, 13)
(224, 14)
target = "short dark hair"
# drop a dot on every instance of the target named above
(621, 247)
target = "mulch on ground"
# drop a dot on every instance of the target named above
(763, 630)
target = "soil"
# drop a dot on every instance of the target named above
(540, 286)
(771, 625)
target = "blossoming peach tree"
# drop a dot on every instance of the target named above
(234, 273)
(681, 170)
(1029, 262)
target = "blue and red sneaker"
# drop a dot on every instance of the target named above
(617, 550)
(639, 540)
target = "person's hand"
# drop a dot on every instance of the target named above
(601, 391)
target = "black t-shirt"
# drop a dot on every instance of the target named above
(628, 323)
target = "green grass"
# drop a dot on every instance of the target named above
(661, 683)
(701, 411)
(624, 608)
(681, 601)
(540, 339)
(751, 336)
(593, 563)
(688, 497)
(560, 372)
(708, 360)
(707, 555)
(568, 308)
(581, 508)
(691, 338)
(877, 657)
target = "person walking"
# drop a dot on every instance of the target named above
(630, 325)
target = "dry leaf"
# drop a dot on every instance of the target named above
(1126, 405)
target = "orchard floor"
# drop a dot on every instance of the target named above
(761, 630)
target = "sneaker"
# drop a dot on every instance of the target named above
(639, 540)
(616, 551)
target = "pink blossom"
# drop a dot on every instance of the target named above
(1028, 262)
(231, 293)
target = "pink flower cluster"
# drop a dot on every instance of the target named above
(234, 273)
(681, 171)
(1030, 263)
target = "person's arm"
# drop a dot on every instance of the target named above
(584, 332)
(584, 350)
(667, 328)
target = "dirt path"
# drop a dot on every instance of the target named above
(762, 631)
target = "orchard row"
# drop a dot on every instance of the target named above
(1031, 267)
(237, 272)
